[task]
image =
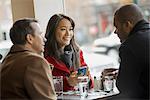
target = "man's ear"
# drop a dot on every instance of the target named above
(129, 25)
(29, 38)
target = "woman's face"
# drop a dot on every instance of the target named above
(64, 33)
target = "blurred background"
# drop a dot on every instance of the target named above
(93, 19)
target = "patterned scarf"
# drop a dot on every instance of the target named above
(67, 57)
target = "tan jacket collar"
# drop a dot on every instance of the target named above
(19, 48)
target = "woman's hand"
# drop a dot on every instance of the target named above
(73, 79)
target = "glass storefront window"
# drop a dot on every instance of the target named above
(5, 18)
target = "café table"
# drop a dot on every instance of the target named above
(71, 95)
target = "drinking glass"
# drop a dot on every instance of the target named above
(58, 84)
(83, 85)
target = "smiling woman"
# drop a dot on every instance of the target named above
(62, 51)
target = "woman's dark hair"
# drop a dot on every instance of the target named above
(51, 46)
(20, 29)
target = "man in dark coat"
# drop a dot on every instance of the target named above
(134, 34)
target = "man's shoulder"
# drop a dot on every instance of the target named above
(37, 61)
(141, 35)
(35, 57)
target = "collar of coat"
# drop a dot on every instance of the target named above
(19, 48)
(141, 25)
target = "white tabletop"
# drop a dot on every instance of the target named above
(91, 95)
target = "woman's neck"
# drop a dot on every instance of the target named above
(62, 49)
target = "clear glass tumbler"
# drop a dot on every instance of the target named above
(58, 84)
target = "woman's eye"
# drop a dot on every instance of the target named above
(62, 29)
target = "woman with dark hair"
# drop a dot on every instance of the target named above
(62, 51)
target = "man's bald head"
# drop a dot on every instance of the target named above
(130, 12)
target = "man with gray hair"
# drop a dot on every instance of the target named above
(134, 33)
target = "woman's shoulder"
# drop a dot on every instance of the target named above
(81, 52)
(50, 59)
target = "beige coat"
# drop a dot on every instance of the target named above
(26, 75)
